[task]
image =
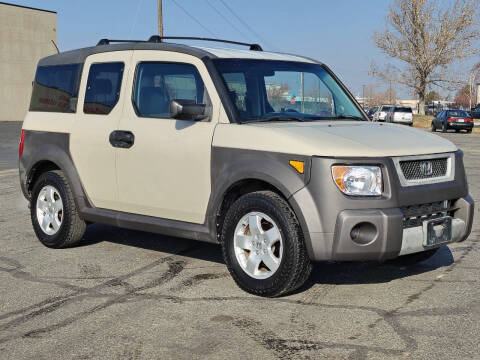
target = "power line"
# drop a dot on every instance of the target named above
(139, 5)
(245, 24)
(246, 37)
(193, 18)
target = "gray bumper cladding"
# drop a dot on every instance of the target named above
(368, 234)
(340, 227)
(379, 234)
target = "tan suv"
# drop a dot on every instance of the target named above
(267, 154)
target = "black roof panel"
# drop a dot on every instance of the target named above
(78, 56)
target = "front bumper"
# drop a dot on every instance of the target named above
(391, 238)
(329, 218)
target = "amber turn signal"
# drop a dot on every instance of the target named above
(297, 165)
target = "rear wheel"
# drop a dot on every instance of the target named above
(53, 212)
(263, 245)
(469, 131)
(444, 128)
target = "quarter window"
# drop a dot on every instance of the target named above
(157, 84)
(237, 89)
(103, 88)
(55, 87)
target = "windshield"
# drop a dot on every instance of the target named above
(283, 90)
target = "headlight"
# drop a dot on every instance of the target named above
(358, 180)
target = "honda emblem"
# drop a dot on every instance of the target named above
(426, 168)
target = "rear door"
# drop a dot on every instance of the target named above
(166, 173)
(100, 105)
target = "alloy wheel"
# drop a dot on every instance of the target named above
(258, 245)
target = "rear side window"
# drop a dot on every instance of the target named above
(54, 88)
(157, 84)
(103, 88)
(403, 109)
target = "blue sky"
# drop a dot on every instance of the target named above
(338, 33)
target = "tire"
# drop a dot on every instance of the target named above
(415, 258)
(70, 227)
(432, 128)
(469, 131)
(444, 128)
(293, 263)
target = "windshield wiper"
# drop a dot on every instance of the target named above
(340, 117)
(277, 118)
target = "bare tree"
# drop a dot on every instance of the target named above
(463, 97)
(426, 37)
(277, 91)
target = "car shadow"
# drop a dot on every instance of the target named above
(373, 272)
(97, 233)
(325, 273)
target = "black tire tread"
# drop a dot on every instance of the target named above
(299, 268)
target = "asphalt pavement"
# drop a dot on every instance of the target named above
(135, 295)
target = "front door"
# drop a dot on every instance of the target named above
(166, 172)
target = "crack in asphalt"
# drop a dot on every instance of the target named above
(284, 348)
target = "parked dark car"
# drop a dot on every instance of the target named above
(371, 112)
(452, 119)
(475, 112)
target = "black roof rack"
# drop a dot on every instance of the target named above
(159, 39)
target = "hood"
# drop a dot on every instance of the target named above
(332, 138)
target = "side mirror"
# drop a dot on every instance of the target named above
(182, 109)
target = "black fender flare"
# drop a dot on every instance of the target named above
(52, 147)
(231, 166)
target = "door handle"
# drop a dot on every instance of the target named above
(122, 139)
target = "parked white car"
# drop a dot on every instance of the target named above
(381, 113)
(400, 115)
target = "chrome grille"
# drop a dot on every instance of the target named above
(415, 215)
(424, 169)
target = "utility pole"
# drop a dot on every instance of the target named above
(390, 93)
(363, 95)
(302, 80)
(160, 18)
(471, 81)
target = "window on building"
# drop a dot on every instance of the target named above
(55, 88)
(156, 84)
(103, 88)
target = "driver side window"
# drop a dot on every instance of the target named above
(157, 84)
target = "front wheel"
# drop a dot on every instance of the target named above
(263, 245)
(53, 212)
(432, 128)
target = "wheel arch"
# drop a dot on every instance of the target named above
(237, 189)
(251, 184)
(49, 157)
